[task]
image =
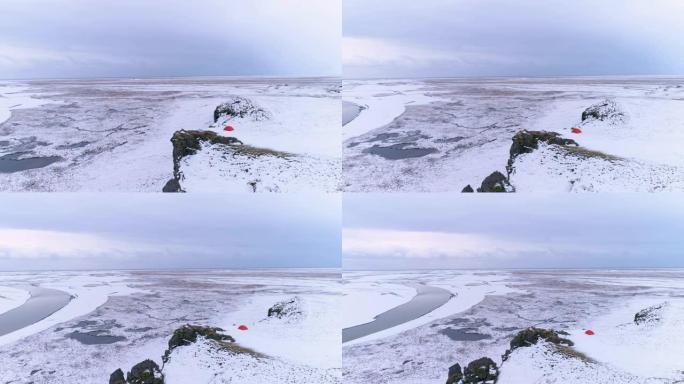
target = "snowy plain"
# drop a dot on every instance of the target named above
(114, 135)
(439, 135)
(119, 318)
(498, 304)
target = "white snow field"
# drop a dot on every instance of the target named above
(496, 305)
(117, 319)
(11, 298)
(114, 135)
(437, 135)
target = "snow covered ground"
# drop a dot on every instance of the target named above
(120, 318)
(501, 303)
(11, 298)
(443, 134)
(114, 135)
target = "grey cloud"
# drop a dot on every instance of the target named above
(593, 231)
(520, 38)
(185, 231)
(131, 38)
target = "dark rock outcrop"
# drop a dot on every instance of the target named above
(148, 372)
(188, 334)
(481, 371)
(286, 309)
(117, 377)
(607, 110)
(186, 143)
(467, 189)
(145, 372)
(172, 185)
(455, 374)
(240, 107)
(527, 141)
(530, 336)
(650, 315)
(496, 182)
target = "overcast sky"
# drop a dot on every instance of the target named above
(433, 38)
(136, 231)
(156, 38)
(409, 231)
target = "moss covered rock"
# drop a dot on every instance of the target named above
(117, 377)
(455, 374)
(496, 182)
(531, 336)
(527, 141)
(145, 372)
(481, 371)
(188, 334)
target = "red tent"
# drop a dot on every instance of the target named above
(243, 327)
(228, 128)
(576, 130)
(589, 332)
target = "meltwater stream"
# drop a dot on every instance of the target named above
(426, 300)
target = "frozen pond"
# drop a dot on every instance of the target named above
(42, 303)
(12, 163)
(426, 300)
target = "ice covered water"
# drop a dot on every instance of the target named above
(42, 303)
(426, 300)
(349, 112)
(13, 163)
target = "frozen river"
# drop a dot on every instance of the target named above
(426, 300)
(42, 303)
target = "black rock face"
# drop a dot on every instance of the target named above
(530, 336)
(496, 182)
(481, 371)
(145, 372)
(467, 189)
(455, 374)
(188, 334)
(172, 185)
(527, 141)
(187, 143)
(117, 377)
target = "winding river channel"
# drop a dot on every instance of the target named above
(42, 303)
(425, 301)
